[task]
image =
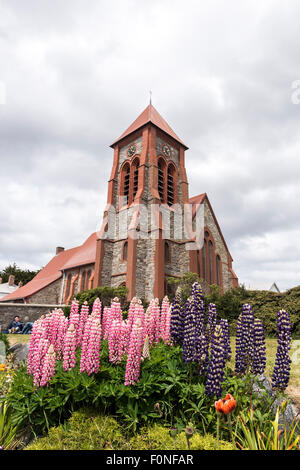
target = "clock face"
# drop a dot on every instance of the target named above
(131, 150)
(166, 150)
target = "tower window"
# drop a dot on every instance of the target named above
(161, 179)
(126, 182)
(170, 185)
(135, 166)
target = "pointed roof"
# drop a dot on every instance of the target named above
(150, 114)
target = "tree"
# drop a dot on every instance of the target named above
(21, 275)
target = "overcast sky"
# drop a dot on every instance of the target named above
(77, 74)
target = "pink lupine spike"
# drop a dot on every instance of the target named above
(165, 320)
(132, 372)
(84, 313)
(38, 360)
(69, 352)
(36, 335)
(115, 342)
(96, 310)
(74, 318)
(146, 349)
(105, 321)
(48, 368)
(90, 353)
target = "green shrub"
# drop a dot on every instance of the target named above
(85, 430)
(159, 438)
(105, 294)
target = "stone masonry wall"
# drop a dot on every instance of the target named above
(26, 312)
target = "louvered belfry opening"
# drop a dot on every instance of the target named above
(136, 165)
(161, 179)
(170, 186)
(126, 183)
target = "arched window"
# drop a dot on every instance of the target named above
(83, 277)
(87, 279)
(125, 251)
(167, 253)
(125, 181)
(135, 167)
(210, 255)
(170, 185)
(204, 260)
(68, 286)
(218, 269)
(161, 179)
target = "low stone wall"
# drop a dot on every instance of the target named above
(26, 312)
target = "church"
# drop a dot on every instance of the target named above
(151, 230)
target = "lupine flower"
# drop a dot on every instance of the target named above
(281, 372)
(105, 321)
(146, 350)
(177, 319)
(216, 366)
(84, 313)
(259, 349)
(211, 320)
(38, 360)
(164, 326)
(132, 372)
(36, 334)
(189, 338)
(115, 342)
(69, 352)
(92, 354)
(96, 309)
(48, 368)
(244, 340)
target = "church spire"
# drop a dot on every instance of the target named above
(150, 114)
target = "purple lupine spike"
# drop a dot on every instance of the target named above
(189, 337)
(281, 372)
(226, 331)
(217, 361)
(244, 340)
(258, 364)
(197, 307)
(177, 318)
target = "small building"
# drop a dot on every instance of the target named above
(7, 288)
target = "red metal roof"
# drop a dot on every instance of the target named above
(78, 256)
(85, 254)
(150, 114)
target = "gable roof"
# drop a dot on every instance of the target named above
(78, 256)
(150, 114)
(199, 199)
